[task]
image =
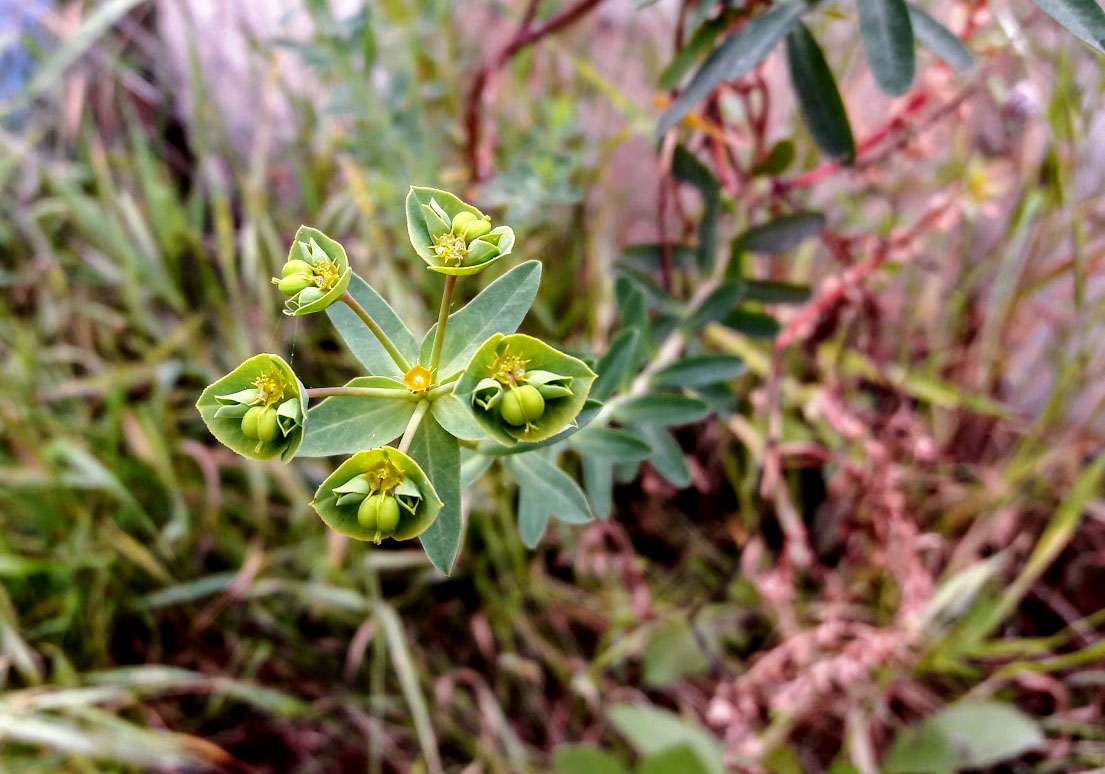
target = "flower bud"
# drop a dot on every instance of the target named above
(293, 283)
(296, 266)
(522, 406)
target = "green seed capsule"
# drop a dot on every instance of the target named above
(379, 512)
(461, 219)
(309, 296)
(249, 421)
(268, 425)
(296, 267)
(293, 283)
(475, 229)
(522, 405)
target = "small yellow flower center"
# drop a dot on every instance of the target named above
(270, 388)
(327, 274)
(418, 379)
(384, 477)
(450, 248)
(508, 369)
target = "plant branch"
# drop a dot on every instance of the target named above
(412, 426)
(359, 392)
(525, 35)
(377, 331)
(442, 322)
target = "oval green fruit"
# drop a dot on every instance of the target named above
(522, 405)
(268, 425)
(296, 266)
(309, 296)
(293, 283)
(379, 512)
(249, 422)
(475, 229)
(461, 219)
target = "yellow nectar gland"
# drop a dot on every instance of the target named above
(419, 379)
(509, 370)
(450, 248)
(327, 274)
(270, 388)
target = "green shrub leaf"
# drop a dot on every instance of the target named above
(553, 489)
(617, 364)
(782, 234)
(940, 40)
(699, 371)
(1084, 18)
(661, 409)
(734, 58)
(438, 453)
(818, 96)
(611, 444)
(344, 425)
(887, 36)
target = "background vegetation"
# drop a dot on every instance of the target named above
(887, 550)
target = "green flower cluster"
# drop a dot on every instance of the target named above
(315, 275)
(453, 237)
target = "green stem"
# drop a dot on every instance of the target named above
(442, 321)
(359, 392)
(377, 331)
(442, 389)
(412, 425)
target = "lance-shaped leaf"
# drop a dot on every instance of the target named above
(442, 232)
(346, 424)
(262, 381)
(887, 35)
(439, 455)
(940, 40)
(339, 497)
(329, 271)
(818, 96)
(1084, 18)
(507, 369)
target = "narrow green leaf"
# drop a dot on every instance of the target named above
(887, 36)
(686, 168)
(344, 425)
(768, 292)
(734, 58)
(558, 493)
(611, 444)
(782, 234)
(699, 43)
(499, 308)
(778, 158)
(472, 466)
(699, 371)
(661, 409)
(818, 96)
(667, 457)
(940, 40)
(1084, 18)
(715, 306)
(438, 454)
(757, 325)
(649, 256)
(533, 516)
(618, 362)
(671, 653)
(598, 483)
(359, 339)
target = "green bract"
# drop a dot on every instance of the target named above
(521, 389)
(453, 237)
(316, 274)
(360, 498)
(258, 409)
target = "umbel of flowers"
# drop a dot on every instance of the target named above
(378, 494)
(521, 389)
(258, 409)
